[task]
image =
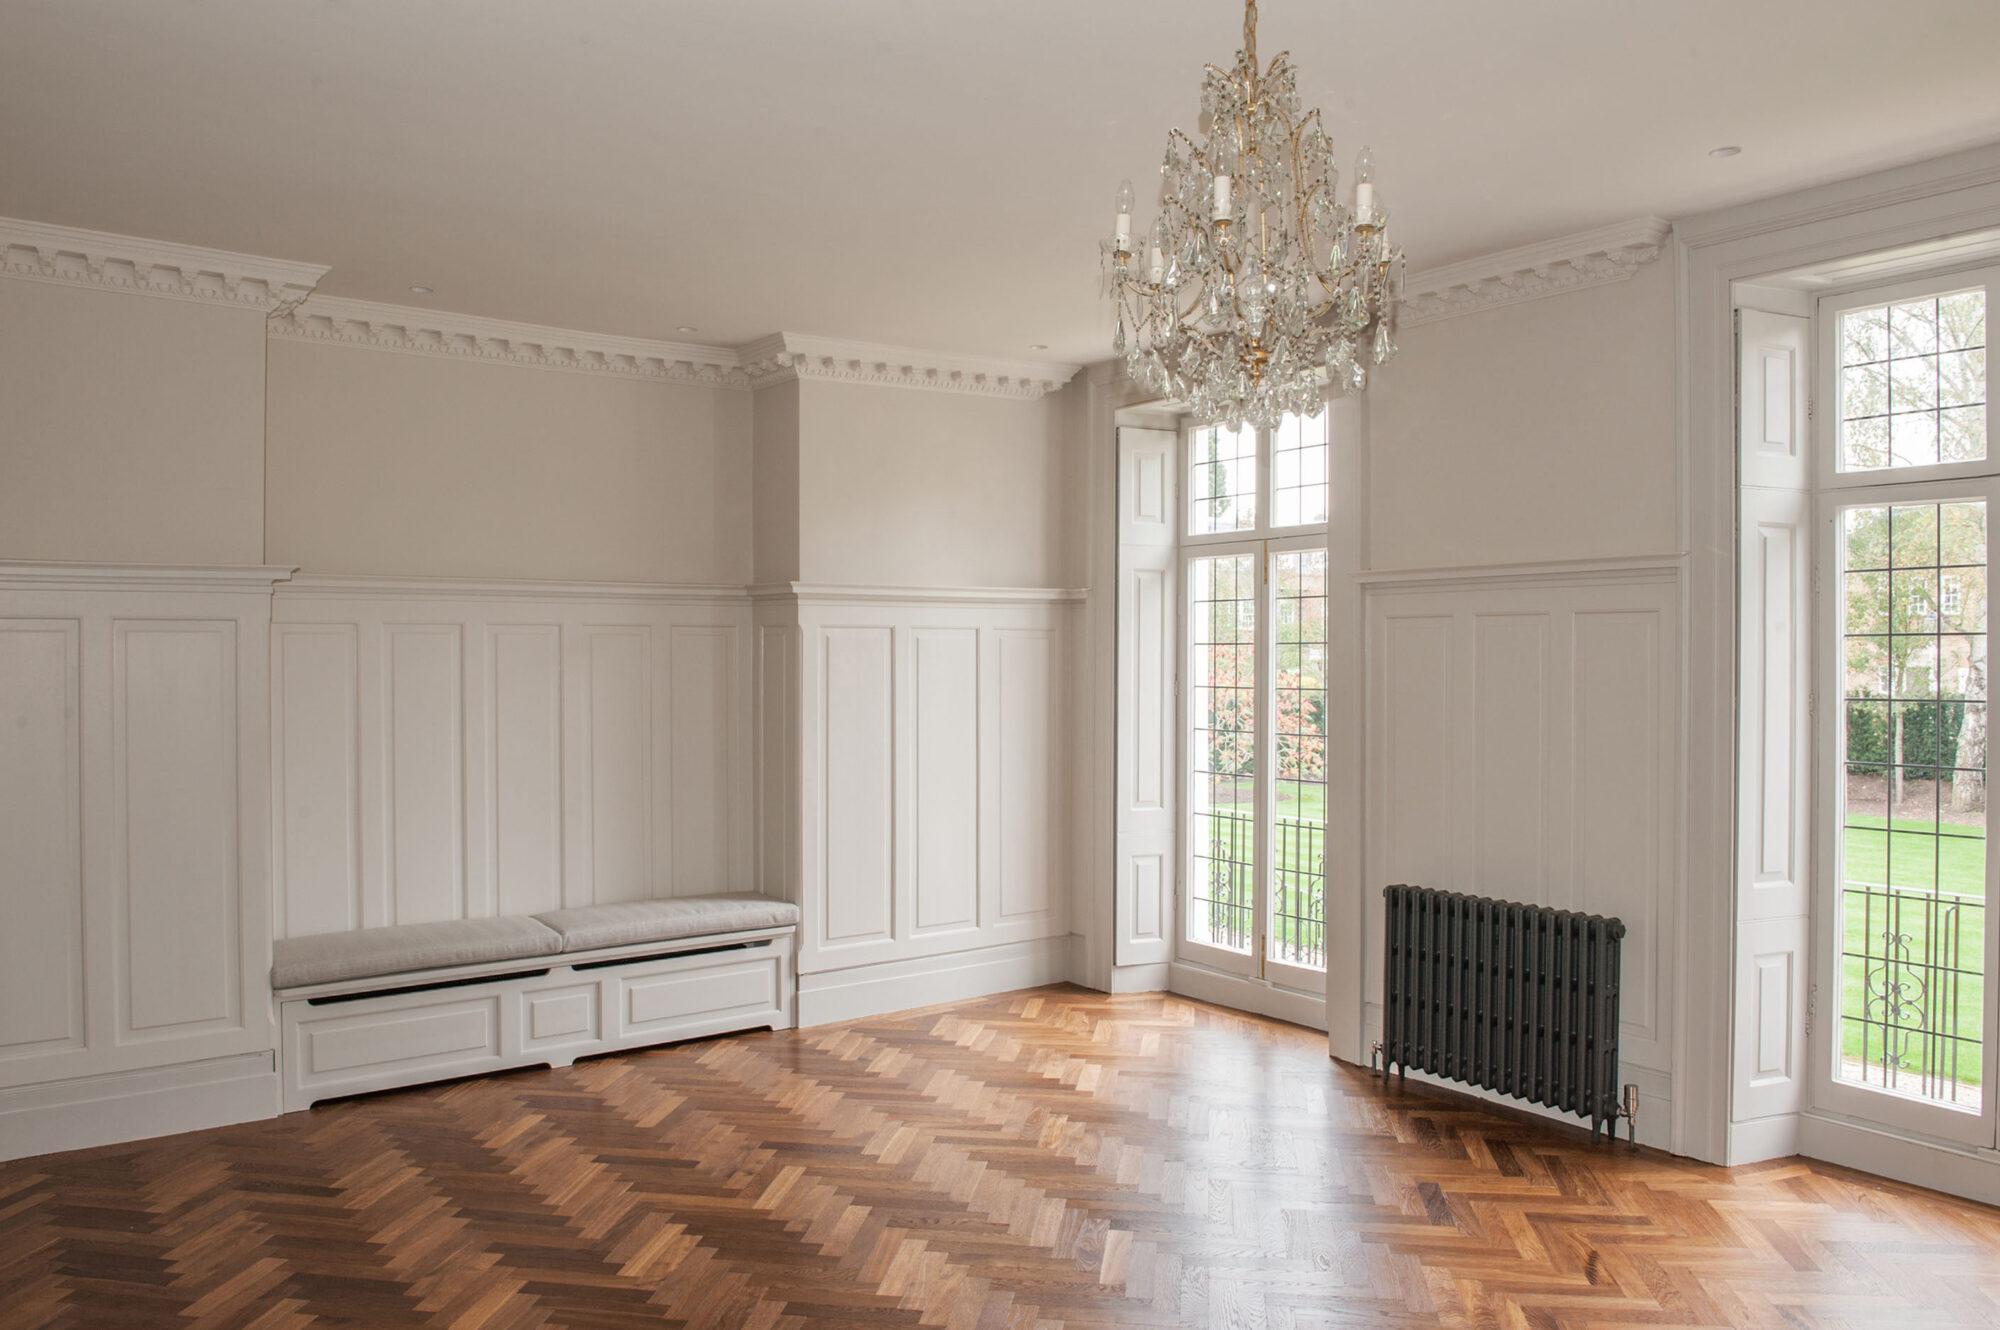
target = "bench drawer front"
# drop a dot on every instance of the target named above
(695, 996)
(555, 1017)
(344, 1049)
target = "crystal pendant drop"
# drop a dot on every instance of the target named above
(1339, 360)
(1384, 348)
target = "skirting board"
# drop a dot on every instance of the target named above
(1954, 1170)
(870, 990)
(1655, 1103)
(1758, 1139)
(1253, 995)
(135, 1105)
(1139, 978)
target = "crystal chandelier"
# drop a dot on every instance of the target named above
(1256, 288)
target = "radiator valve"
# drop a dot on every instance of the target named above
(1628, 1108)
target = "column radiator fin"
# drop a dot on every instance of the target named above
(1519, 999)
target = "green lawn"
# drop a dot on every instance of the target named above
(1929, 892)
(1299, 920)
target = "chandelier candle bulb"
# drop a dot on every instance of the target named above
(1234, 315)
(1364, 187)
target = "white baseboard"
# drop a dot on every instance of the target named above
(1252, 995)
(1656, 1093)
(870, 990)
(1754, 1141)
(1655, 1104)
(1138, 978)
(1954, 1169)
(134, 1105)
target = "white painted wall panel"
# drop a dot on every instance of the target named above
(135, 893)
(41, 920)
(946, 785)
(422, 790)
(929, 801)
(1510, 786)
(858, 781)
(526, 745)
(1523, 731)
(1417, 730)
(315, 771)
(174, 727)
(778, 739)
(1617, 733)
(487, 748)
(1027, 717)
(620, 769)
(702, 745)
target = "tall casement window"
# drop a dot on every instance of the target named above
(1907, 487)
(1254, 700)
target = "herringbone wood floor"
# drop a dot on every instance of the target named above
(1035, 1160)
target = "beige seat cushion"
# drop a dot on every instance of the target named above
(629, 922)
(327, 958)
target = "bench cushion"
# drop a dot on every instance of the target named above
(327, 958)
(588, 927)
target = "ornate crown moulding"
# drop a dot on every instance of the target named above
(433, 332)
(784, 356)
(1571, 263)
(40, 252)
(769, 360)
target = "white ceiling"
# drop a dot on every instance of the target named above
(929, 173)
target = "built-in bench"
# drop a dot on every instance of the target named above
(377, 1008)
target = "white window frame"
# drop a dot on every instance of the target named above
(1836, 491)
(1827, 475)
(1261, 541)
(1829, 1093)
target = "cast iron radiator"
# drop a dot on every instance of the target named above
(1520, 999)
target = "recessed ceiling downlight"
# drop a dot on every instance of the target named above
(1038, 346)
(1726, 150)
(687, 327)
(420, 290)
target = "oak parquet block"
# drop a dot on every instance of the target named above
(1049, 1160)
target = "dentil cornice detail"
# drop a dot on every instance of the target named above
(774, 359)
(434, 332)
(43, 253)
(784, 356)
(1591, 258)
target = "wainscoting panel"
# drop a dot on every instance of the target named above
(446, 750)
(779, 739)
(134, 926)
(704, 747)
(423, 798)
(946, 787)
(1025, 719)
(173, 718)
(315, 708)
(1525, 730)
(930, 794)
(524, 831)
(856, 897)
(614, 819)
(41, 796)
